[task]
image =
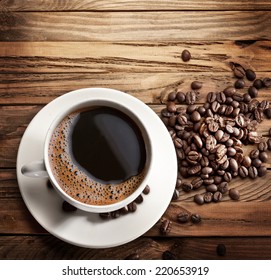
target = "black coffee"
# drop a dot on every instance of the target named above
(98, 155)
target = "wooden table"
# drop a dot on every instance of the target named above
(51, 47)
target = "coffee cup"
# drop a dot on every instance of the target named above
(97, 152)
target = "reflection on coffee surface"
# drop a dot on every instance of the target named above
(98, 155)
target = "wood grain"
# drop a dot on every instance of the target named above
(131, 5)
(130, 26)
(48, 247)
(132, 57)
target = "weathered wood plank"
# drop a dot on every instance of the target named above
(48, 247)
(129, 57)
(131, 26)
(131, 5)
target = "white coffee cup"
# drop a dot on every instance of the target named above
(95, 97)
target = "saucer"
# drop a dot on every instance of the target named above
(88, 229)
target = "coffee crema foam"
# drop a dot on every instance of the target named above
(74, 181)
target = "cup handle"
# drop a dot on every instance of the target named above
(35, 169)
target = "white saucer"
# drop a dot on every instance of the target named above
(87, 229)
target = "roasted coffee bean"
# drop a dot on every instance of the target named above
(198, 141)
(67, 207)
(229, 142)
(180, 97)
(172, 120)
(229, 129)
(217, 196)
(250, 74)
(186, 55)
(215, 106)
(182, 119)
(252, 172)
(224, 165)
(201, 110)
(139, 199)
(243, 172)
(262, 146)
(258, 84)
(195, 117)
(146, 190)
(204, 161)
(219, 134)
(258, 114)
(115, 214)
(221, 250)
(267, 82)
(124, 210)
(178, 183)
(240, 120)
(252, 91)
(193, 156)
(105, 216)
(239, 72)
(184, 172)
(195, 218)
(220, 172)
(213, 126)
(227, 177)
(222, 109)
(264, 104)
(223, 187)
(190, 97)
(229, 110)
(183, 217)
(211, 97)
(178, 143)
(211, 188)
(191, 108)
(187, 187)
(237, 97)
(167, 255)
(172, 96)
(229, 91)
(210, 142)
(194, 169)
(256, 162)
(196, 85)
(132, 207)
(262, 170)
(269, 144)
(246, 161)
(246, 98)
(165, 227)
(233, 165)
(263, 156)
(171, 107)
(254, 153)
(240, 83)
(231, 152)
(133, 256)
(208, 197)
(175, 195)
(225, 137)
(268, 113)
(199, 199)
(218, 179)
(197, 183)
(234, 194)
(221, 97)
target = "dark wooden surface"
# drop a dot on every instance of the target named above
(48, 48)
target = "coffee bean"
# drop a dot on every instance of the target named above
(237, 97)
(262, 170)
(165, 227)
(180, 96)
(186, 55)
(219, 134)
(246, 161)
(256, 162)
(262, 146)
(196, 85)
(167, 255)
(201, 110)
(195, 117)
(246, 98)
(223, 187)
(197, 183)
(250, 74)
(239, 72)
(252, 172)
(212, 188)
(194, 169)
(172, 96)
(195, 218)
(171, 107)
(231, 152)
(217, 196)
(218, 179)
(267, 82)
(191, 97)
(254, 153)
(227, 177)
(264, 104)
(268, 113)
(229, 129)
(132, 207)
(124, 210)
(115, 214)
(215, 106)
(258, 115)
(187, 187)
(105, 216)
(208, 197)
(233, 165)
(221, 250)
(213, 126)
(253, 92)
(198, 141)
(146, 190)
(67, 207)
(269, 144)
(263, 156)
(234, 194)
(199, 199)
(211, 97)
(183, 217)
(258, 84)
(139, 199)
(243, 172)
(221, 97)
(182, 119)
(240, 83)
(229, 91)
(210, 142)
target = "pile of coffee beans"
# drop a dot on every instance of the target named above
(209, 138)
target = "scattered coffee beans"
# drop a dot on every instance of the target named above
(195, 218)
(186, 56)
(165, 227)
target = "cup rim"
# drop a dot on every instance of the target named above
(107, 99)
